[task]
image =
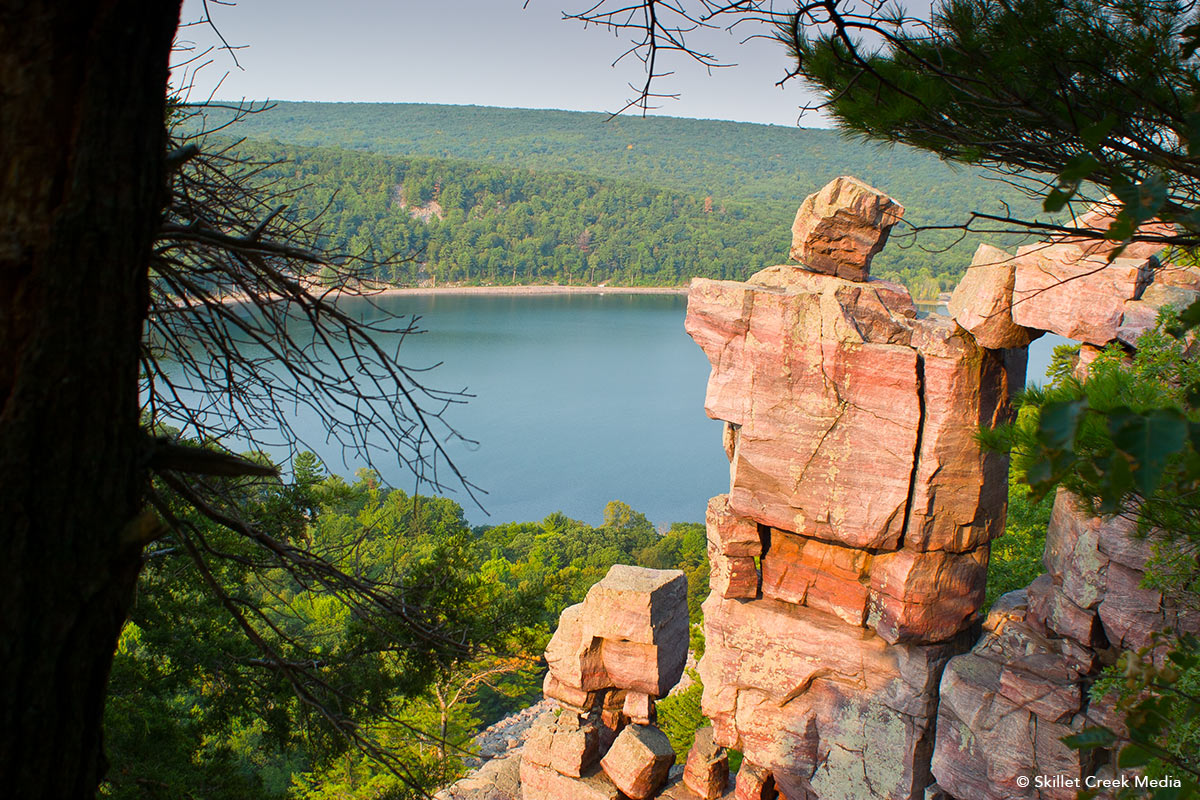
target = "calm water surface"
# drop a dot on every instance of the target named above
(579, 400)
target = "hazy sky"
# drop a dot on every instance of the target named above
(483, 52)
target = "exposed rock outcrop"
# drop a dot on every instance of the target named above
(857, 483)
(1007, 704)
(982, 302)
(849, 557)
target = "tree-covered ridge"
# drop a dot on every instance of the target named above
(729, 160)
(488, 223)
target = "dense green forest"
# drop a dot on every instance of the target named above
(193, 710)
(486, 195)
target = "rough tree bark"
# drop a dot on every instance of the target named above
(81, 190)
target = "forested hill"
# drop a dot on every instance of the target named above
(652, 186)
(733, 160)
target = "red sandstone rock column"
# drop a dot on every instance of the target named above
(857, 484)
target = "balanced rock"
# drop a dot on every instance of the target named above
(839, 229)
(982, 301)
(707, 769)
(638, 761)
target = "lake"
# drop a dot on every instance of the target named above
(579, 400)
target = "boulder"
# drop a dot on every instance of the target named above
(1100, 216)
(631, 632)
(982, 301)
(706, 772)
(636, 603)
(544, 783)
(1061, 289)
(730, 534)
(638, 761)
(839, 229)
(754, 783)
(1052, 610)
(649, 668)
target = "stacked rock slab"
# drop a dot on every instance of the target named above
(611, 658)
(849, 557)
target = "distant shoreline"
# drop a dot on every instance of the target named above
(543, 289)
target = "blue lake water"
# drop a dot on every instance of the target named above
(579, 400)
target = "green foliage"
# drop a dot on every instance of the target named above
(194, 709)
(549, 196)
(679, 716)
(1158, 690)
(1016, 557)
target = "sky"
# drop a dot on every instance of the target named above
(472, 52)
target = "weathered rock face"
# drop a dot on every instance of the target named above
(839, 229)
(1006, 704)
(831, 384)
(826, 708)
(1004, 709)
(982, 301)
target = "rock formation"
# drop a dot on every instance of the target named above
(1042, 648)
(857, 484)
(611, 658)
(844, 655)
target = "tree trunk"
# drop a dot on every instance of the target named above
(81, 190)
